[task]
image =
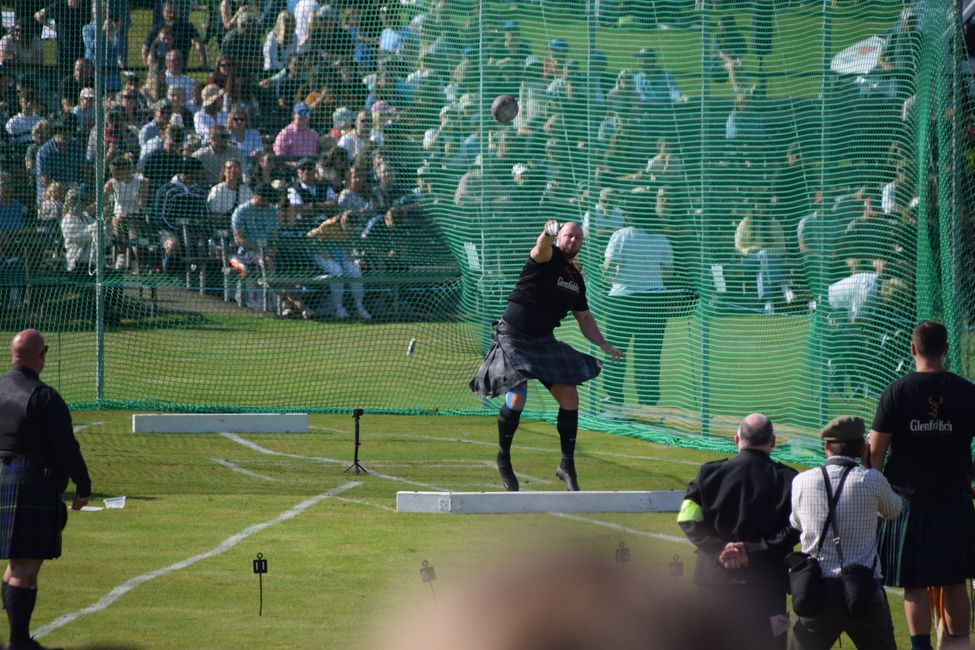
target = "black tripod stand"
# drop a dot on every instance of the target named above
(359, 469)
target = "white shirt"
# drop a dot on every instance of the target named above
(127, 201)
(19, 127)
(275, 55)
(850, 294)
(183, 82)
(865, 494)
(202, 123)
(636, 261)
(600, 220)
(223, 200)
(304, 11)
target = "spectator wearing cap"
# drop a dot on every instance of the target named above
(280, 44)
(183, 197)
(62, 159)
(69, 17)
(850, 539)
(216, 153)
(212, 114)
(162, 115)
(254, 227)
(183, 35)
(85, 111)
(557, 65)
(309, 198)
(654, 86)
(297, 139)
(82, 76)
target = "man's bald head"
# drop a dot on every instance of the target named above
(27, 349)
(755, 430)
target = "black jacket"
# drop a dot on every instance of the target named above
(747, 499)
(35, 423)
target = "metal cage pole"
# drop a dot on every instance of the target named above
(100, 200)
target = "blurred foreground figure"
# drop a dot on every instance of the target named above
(569, 603)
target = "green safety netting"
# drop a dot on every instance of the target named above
(796, 177)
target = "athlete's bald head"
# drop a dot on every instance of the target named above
(28, 349)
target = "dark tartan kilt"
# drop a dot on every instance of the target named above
(32, 511)
(514, 358)
(931, 543)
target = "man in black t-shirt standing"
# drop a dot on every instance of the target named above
(524, 346)
(926, 421)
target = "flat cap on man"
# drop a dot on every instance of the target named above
(843, 429)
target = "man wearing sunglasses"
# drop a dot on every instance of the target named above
(38, 454)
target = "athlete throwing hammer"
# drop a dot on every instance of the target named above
(523, 346)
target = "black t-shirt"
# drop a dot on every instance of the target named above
(931, 419)
(545, 293)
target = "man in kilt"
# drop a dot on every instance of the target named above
(524, 347)
(38, 454)
(926, 421)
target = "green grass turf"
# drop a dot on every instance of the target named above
(340, 570)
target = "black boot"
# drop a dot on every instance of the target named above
(567, 472)
(508, 478)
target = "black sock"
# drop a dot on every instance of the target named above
(3, 594)
(20, 606)
(568, 425)
(508, 420)
(920, 642)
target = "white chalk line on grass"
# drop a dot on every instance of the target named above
(264, 450)
(82, 427)
(240, 470)
(624, 529)
(222, 547)
(329, 429)
(363, 502)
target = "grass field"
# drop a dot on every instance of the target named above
(342, 566)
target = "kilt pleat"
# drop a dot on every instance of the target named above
(32, 511)
(931, 543)
(514, 358)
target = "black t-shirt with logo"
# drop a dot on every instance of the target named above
(544, 294)
(931, 418)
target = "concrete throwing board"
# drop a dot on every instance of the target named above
(482, 503)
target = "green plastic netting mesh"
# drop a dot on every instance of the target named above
(800, 173)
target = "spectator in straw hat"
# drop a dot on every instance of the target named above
(864, 494)
(212, 114)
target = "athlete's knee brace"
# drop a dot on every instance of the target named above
(516, 398)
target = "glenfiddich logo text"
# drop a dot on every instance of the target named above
(919, 426)
(571, 285)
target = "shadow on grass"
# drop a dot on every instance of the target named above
(109, 646)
